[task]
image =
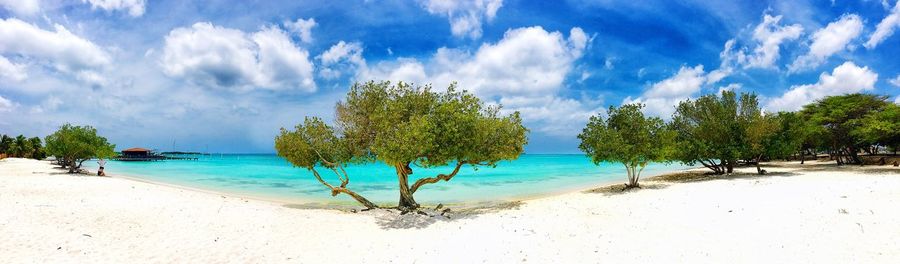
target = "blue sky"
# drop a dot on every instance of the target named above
(223, 75)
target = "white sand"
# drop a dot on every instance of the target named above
(825, 215)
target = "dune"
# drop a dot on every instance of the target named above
(810, 213)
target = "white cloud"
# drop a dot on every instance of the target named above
(895, 81)
(556, 116)
(135, 8)
(608, 63)
(731, 87)
(769, 36)
(302, 28)
(22, 7)
(11, 71)
(465, 16)
(846, 78)
(223, 57)
(6, 105)
(341, 57)
(663, 96)
(885, 28)
(60, 48)
(828, 41)
(526, 61)
(524, 71)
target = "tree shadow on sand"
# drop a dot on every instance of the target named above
(617, 189)
(700, 176)
(394, 219)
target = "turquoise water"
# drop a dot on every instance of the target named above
(271, 177)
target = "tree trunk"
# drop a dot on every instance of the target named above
(632, 177)
(758, 169)
(802, 156)
(854, 155)
(407, 202)
(729, 166)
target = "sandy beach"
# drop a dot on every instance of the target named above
(813, 213)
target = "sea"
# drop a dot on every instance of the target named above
(270, 177)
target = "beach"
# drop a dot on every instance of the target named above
(811, 213)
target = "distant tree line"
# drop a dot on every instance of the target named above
(721, 132)
(71, 146)
(22, 147)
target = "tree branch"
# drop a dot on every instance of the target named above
(439, 177)
(336, 190)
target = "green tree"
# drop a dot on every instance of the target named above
(835, 118)
(627, 137)
(21, 147)
(37, 149)
(879, 128)
(6, 143)
(712, 130)
(73, 145)
(401, 125)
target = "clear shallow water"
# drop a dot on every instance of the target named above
(271, 177)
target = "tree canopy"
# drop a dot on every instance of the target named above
(403, 125)
(839, 123)
(712, 130)
(627, 137)
(73, 145)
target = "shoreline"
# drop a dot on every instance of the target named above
(352, 205)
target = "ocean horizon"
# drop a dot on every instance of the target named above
(270, 177)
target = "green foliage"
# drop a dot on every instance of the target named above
(6, 143)
(879, 128)
(72, 145)
(38, 152)
(22, 147)
(628, 137)
(401, 125)
(712, 130)
(839, 122)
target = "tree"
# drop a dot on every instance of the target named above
(73, 145)
(836, 117)
(628, 137)
(712, 130)
(880, 128)
(37, 149)
(6, 144)
(401, 125)
(21, 147)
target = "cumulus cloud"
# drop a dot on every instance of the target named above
(135, 8)
(61, 49)
(524, 71)
(223, 57)
(828, 41)
(663, 96)
(526, 61)
(769, 35)
(885, 28)
(22, 7)
(302, 28)
(465, 16)
(11, 71)
(341, 57)
(846, 78)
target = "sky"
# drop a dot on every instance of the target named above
(224, 76)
